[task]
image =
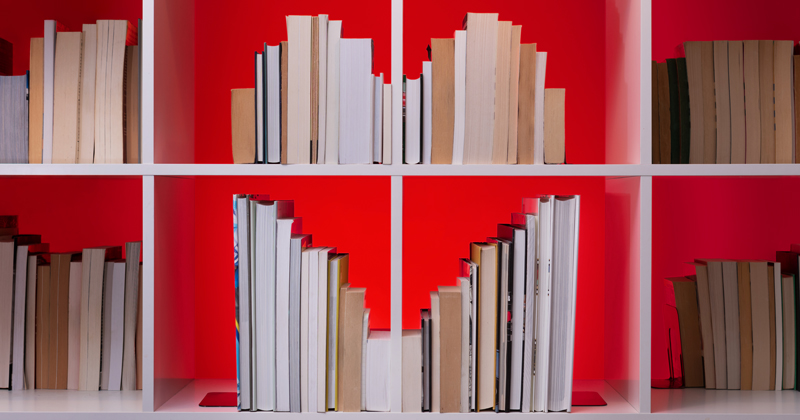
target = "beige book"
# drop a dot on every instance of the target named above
(132, 80)
(73, 352)
(87, 94)
(480, 89)
(350, 366)
(730, 286)
(513, 93)
(527, 103)
(723, 101)
(450, 347)
(314, 87)
(298, 29)
(52, 330)
(709, 103)
(340, 346)
(717, 299)
(766, 63)
(65, 96)
(43, 327)
(789, 331)
(436, 360)
(243, 121)
(139, 336)
(100, 91)
(443, 108)
(752, 102)
(736, 81)
(501, 95)
(664, 117)
(31, 318)
(759, 294)
(131, 313)
(694, 75)
(284, 102)
(654, 137)
(704, 307)
(61, 270)
(484, 255)
(772, 323)
(387, 124)
(554, 126)
(36, 103)
(745, 326)
(784, 129)
(412, 371)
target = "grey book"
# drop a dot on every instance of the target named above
(14, 119)
(425, 317)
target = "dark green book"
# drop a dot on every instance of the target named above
(683, 103)
(674, 111)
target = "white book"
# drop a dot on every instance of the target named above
(311, 324)
(332, 97)
(264, 307)
(480, 92)
(377, 114)
(333, 323)
(30, 323)
(778, 328)
(436, 401)
(387, 124)
(74, 342)
(298, 30)
(473, 352)
(273, 103)
(49, 89)
(322, 328)
(364, 335)
(243, 317)
(298, 242)
(117, 326)
(413, 121)
(427, 111)
(283, 259)
(355, 101)
(460, 98)
(379, 353)
(87, 94)
(465, 330)
(305, 313)
(538, 113)
(259, 108)
(132, 252)
(530, 223)
(323, 88)
(542, 332)
(412, 371)
(18, 340)
(518, 310)
(105, 338)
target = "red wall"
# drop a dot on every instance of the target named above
(442, 215)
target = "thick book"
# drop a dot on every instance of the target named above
(332, 97)
(412, 142)
(530, 221)
(685, 114)
(337, 275)
(14, 119)
(485, 257)
(36, 101)
(427, 105)
(20, 298)
(42, 329)
(538, 118)
(113, 326)
(132, 138)
(526, 124)
(685, 289)
(554, 126)
(709, 103)
(745, 325)
(309, 323)
(513, 94)
(759, 294)
(543, 307)
(674, 111)
(722, 102)
(459, 95)
(243, 116)
(412, 371)
(298, 29)
(450, 312)
(59, 318)
(501, 99)
(730, 286)
(664, 116)
(35, 260)
(468, 271)
(480, 86)
(504, 321)
(351, 343)
(736, 81)
(355, 101)
(752, 103)
(766, 79)
(717, 300)
(133, 251)
(285, 228)
(443, 112)
(784, 123)
(241, 262)
(694, 73)
(378, 366)
(88, 75)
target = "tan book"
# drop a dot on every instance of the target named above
(689, 321)
(484, 255)
(501, 94)
(732, 342)
(709, 103)
(787, 287)
(52, 328)
(745, 325)
(139, 336)
(87, 93)
(100, 91)
(664, 118)
(43, 327)
(717, 300)
(766, 63)
(450, 347)
(513, 93)
(752, 103)
(554, 126)
(736, 81)
(412, 371)
(340, 345)
(350, 367)
(31, 321)
(654, 136)
(527, 103)
(784, 129)
(132, 80)
(284, 101)
(74, 344)
(797, 107)
(694, 75)
(131, 313)
(723, 101)
(36, 102)
(59, 287)
(704, 307)
(772, 338)
(481, 63)
(109, 102)
(314, 87)
(759, 295)
(436, 361)
(443, 110)
(65, 96)
(243, 122)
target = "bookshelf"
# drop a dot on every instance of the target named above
(185, 135)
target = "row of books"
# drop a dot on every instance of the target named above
(481, 99)
(503, 337)
(737, 324)
(318, 104)
(303, 339)
(727, 102)
(80, 100)
(68, 320)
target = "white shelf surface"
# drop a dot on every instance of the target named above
(397, 170)
(703, 401)
(54, 400)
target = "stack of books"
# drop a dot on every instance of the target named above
(80, 100)
(503, 337)
(733, 324)
(727, 102)
(303, 339)
(481, 99)
(315, 101)
(70, 320)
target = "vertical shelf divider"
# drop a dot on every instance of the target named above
(397, 82)
(645, 83)
(396, 384)
(148, 81)
(148, 295)
(645, 302)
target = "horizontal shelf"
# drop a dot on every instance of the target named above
(723, 402)
(396, 170)
(69, 401)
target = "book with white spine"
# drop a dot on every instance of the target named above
(282, 281)
(273, 103)
(322, 113)
(356, 96)
(530, 222)
(321, 330)
(542, 333)
(460, 96)
(427, 111)
(332, 97)
(413, 131)
(377, 114)
(49, 86)
(259, 108)
(298, 30)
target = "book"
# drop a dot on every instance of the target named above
(132, 252)
(444, 90)
(139, 338)
(468, 271)
(132, 138)
(480, 86)
(298, 243)
(243, 115)
(685, 289)
(350, 358)
(387, 125)
(36, 101)
(49, 78)
(707, 335)
(716, 298)
(685, 114)
(322, 83)
(745, 325)
(752, 103)
(364, 336)
(530, 222)
(776, 321)
(427, 114)
(759, 293)
(517, 235)
(664, 113)
(674, 111)
(412, 371)
(784, 128)
(513, 93)
(466, 344)
(298, 29)
(378, 370)
(503, 321)
(88, 76)
(425, 326)
(450, 312)
(18, 336)
(309, 324)
(789, 331)
(554, 126)
(766, 79)
(655, 146)
(283, 304)
(241, 260)
(332, 111)
(377, 123)
(314, 87)
(322, 330)
(436, 331)
(60, 283)
(66, 96)
(502, 93)
(543, 308)
(526, 124)
(337, 276)
(694, 73)
(43, 327)
(538, 119)
(113, 319)
(259, 107)
(32, 337)
(709, 103)
(738, 118)
(305, 285)
(112, 37)
(412, 145)
(355, 101)
(722, 103)
(730, 286)
(14, 119)
(485, 258)
(284, 51)
(273, 103)
(459, 95)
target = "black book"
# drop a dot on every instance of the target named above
(674, 111)
(425, 316)
(683, 104)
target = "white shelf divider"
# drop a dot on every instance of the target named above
(396, 335)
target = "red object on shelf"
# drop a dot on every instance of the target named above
(672, 332)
